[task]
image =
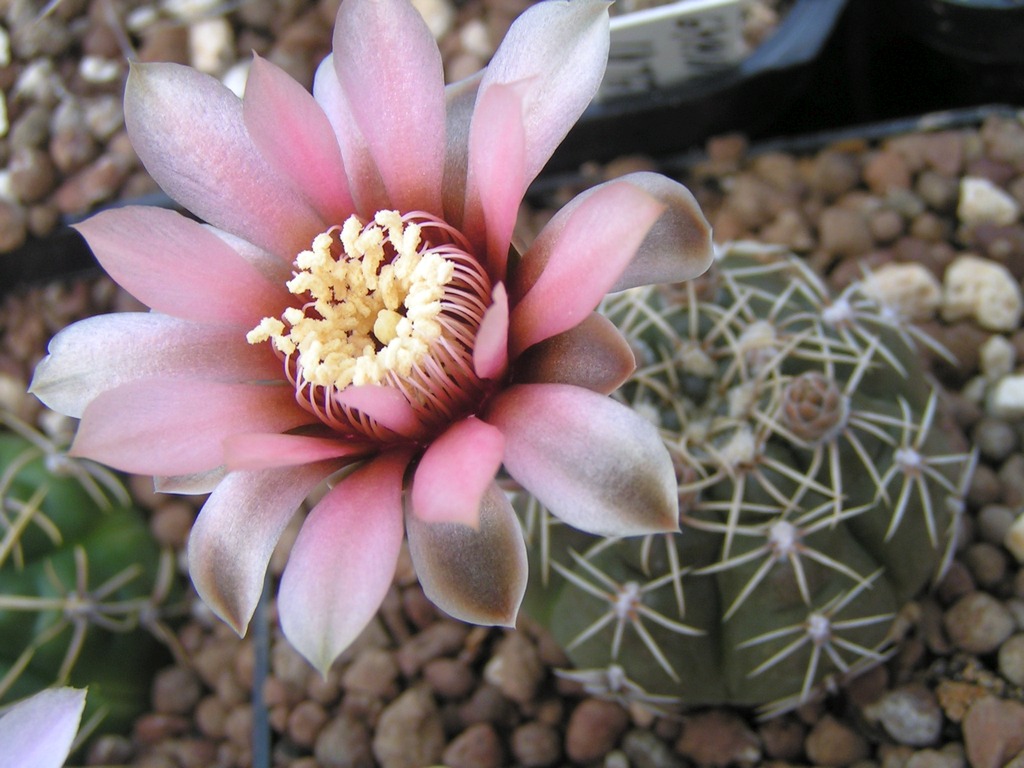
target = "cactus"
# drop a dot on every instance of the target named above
(819, 492)
(79, 574)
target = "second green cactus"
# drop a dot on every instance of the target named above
(819, 492)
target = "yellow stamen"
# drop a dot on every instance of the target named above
(370, 312)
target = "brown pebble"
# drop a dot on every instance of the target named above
(442, 638)
(718, 737)
(211, 716)
(476, 747)
(238, 725)
(13, 226)
(486, 704)
(32, 174)
(154, 728)
(832, 742)
(536, 745)
(344, 743)
(782, 737)
(844, 232)
(978, 623)
(834, 173)
(176, 691)
(449, 678)
(410, 733)
(993, 732)
(594, 729)
(374, 672)
(515, 668)
(1011, 659)
(171, 523)
(94, 184)
(987, 563)
(305, 722)
(886, 171)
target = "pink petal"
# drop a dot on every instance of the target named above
(235, 534)
(560, 48)
(343, 561)
(178, 267)
(678, 247)
(187, 128)
(475, 575)
(385, 405)
(177, 426)
(454, 472)
(577, 258)
(490, 352)
(460, 99)
(104, 352)
(266, 451)
(497, 173)
(593, 462)
(364, 179)
(38, 732)
(195, 484)
(593, 355)
(291, 130)
(390, 70)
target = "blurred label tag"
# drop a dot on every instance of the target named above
(665, 45)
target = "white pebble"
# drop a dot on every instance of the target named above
(236, 77)
(982, 202)
(95, 69)
(476, 39)
(140, 18)
(211, 45)
(38, 81)
(1014, 540)
(983, 290)
(439, 15)
(909, 289)
(189, 10)
(997, 357)
(1006, 398)
(5, 48)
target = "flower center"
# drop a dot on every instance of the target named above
(393, 302)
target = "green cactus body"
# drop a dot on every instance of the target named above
(818, 494)
(80, 574)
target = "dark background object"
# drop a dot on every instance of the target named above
(831, 64)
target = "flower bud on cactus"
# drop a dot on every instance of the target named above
(819, 492)
(80, 574)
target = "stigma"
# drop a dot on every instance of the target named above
(395, 301)
(371, 308)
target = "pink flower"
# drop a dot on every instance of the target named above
(354, 311)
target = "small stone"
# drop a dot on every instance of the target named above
(844, 232)
(885, 171)
(1014, 540)
(986, 562)
(981, 289)
(833, 743)
(1005, 399)
(439, 15)
(536, 745)
(211, 44)
(515, 668)
(442, 638)
(993, 732)
(1011, 659)
(994, 521)
(13, 226)
(594, 729)
(995, 438)
(344, 743)
(410, 733)
(909, 289)
(476, 747)
(783, 738)
(305, 722)
(94, 184)
(835, 173)
(176, 691)
(32, 174)
(997, 357)
(486, 704)
(978, 623)
(449, 678)
(982, 202)
(100, 71)
(910, 715)
(375, 672)
(211, 716)
(933, 758)
(645, 750)
(718, 738)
